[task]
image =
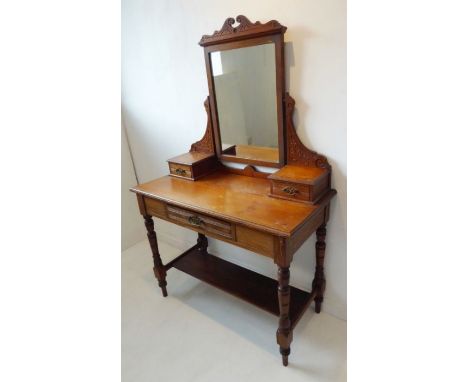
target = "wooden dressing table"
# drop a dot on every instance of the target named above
(269, 214)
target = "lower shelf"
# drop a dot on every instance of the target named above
(250, 286)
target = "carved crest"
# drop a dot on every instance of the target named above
(297, 152)
(245, 29)
(206, 144)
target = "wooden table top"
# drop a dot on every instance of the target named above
(241, 199)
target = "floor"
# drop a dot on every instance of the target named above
(199, 333)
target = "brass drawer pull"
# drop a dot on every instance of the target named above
(291, 190)
(180, 171)
(195, 220)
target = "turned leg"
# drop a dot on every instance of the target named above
(318, 285)
(158, 269)
(284, 332)
(203, 243)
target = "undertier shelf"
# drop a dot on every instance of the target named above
(247, 285)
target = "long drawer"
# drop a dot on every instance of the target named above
(252, 239)
(201, 222)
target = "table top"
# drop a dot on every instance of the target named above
(239, 198)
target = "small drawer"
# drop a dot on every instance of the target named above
(201, 222)
(180, 170)
(193, 165)
(290, 190)
(300, 183)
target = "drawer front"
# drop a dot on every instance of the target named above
(180, 170)
(256, 241)
(155, 208)
(201, 222)
(291, 190)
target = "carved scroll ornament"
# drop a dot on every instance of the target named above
(297, 152)
(206, 144)
(245, 27)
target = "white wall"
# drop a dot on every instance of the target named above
(164, 86)
(132, 226)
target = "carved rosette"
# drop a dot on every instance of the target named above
(297, 152)
(228, 31)
(206, 144)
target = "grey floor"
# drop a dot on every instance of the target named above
(199, 333)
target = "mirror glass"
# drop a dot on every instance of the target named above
(245, 89)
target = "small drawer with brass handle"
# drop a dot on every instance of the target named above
(201, 223)
(180, 170)
(289, 190)
(193, 165)
(300, 183)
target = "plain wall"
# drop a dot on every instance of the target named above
(164, 85)
(132, 226)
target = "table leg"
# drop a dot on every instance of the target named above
(318, 285)
(284, 332)
(203, 242)
(158, 269)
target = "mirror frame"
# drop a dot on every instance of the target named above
(247, 34)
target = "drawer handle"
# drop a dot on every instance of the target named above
(180, 171)
(195, 220)
(291, 190)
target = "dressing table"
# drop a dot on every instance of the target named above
(250, 121)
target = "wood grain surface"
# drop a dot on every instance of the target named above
(237, 198)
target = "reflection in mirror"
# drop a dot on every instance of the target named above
(245, 88)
